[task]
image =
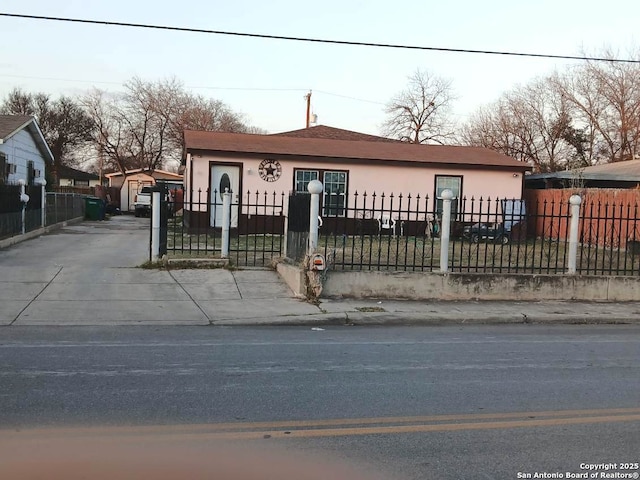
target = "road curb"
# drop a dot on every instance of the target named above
(364, 319)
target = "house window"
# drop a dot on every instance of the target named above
(36, 173)
(335, 189)
(81, 183)
(303, 177)
(453, 183)
(31, 172)
(334, 198)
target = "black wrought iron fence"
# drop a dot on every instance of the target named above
(382, 232)
(402, 232)
(509, 236)
(609, 239)
(256, 227)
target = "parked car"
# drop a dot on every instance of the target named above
(487, 231)
(142, 202)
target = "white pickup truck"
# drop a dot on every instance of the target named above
(142, 202)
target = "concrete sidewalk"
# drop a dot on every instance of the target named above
(134, 296)
(77, 295)
(85, 275)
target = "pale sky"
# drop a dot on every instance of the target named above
(266, 80)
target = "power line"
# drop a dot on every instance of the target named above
(315, 40)
(199, 87)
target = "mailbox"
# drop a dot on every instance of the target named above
(317, 262)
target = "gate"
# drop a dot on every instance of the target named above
(166, 211)
(298, 226)
(192, 229)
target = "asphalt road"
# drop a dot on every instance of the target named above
(405, 402)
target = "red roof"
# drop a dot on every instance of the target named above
(283, 146)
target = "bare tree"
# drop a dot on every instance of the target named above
(420, 113)
(64, 123)
(143, 127)
(195, 112)
(606, 97)
(532, 124)
(113, 139)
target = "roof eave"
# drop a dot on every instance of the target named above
(585, 176)
(16, 130)
(520, 167)
(32, 126)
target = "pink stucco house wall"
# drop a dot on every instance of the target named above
(346, 162)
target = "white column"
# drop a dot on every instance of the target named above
(24, 198)
(574, 225)
(155, 226)
(226, 222)
(315, 188)
(43, 183)
(445, 231)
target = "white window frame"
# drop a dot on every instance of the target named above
(339, 210)
(457, 193)
(303, 181)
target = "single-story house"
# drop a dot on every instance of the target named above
(609, 175)
(70, 177)
(345, 162)
(131, 183)
(24, 153)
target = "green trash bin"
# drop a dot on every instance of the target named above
(93, 208)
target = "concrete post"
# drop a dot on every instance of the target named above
(285, 239)
(24, 198)
(572, 261)
(445, 231)
(43, 183)
(55, 203)
(155, 226)
(226, 222)
(315, 188)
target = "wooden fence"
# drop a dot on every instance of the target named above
(608, 217)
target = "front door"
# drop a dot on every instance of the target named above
(224, 177)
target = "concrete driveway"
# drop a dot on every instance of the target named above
(122, 241)
(86, 274)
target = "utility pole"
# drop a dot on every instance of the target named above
(308, 120)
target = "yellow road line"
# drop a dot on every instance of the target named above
(348, 426)
(399, 429)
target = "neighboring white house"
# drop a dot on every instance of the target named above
(134, 180)
(24, 153)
